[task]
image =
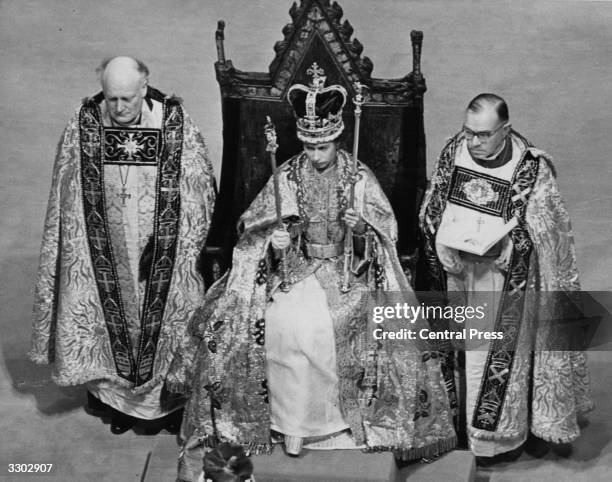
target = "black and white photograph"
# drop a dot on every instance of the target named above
(305, 240)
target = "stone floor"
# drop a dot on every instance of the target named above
(549, 58)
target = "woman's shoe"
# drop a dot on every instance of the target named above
(293, 445)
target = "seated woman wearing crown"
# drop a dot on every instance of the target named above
(287, 352)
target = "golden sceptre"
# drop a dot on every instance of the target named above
(271, 147)
(348, 240)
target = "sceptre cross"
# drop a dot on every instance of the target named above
(345, 285)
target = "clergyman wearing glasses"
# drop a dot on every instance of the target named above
(497, 234)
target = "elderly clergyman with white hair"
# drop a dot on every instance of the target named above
(128, 214)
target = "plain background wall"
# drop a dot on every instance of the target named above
(549, 59)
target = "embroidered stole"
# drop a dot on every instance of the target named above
(496, 375)
(100, 145)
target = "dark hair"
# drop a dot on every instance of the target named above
(141, 67)
(483, 100)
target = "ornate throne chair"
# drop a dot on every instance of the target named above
(392, 138)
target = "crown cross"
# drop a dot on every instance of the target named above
(320, 107)
(317, 74)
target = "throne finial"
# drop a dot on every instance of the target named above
(417, 43)
(219, 38)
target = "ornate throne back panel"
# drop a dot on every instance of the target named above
(391, 142)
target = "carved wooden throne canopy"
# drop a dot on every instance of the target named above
(392, 139)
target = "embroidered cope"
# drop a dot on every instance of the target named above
(508, 395)
(118, 195)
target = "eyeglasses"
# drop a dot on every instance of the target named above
(482, 135)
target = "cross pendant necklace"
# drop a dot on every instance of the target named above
(124, 194)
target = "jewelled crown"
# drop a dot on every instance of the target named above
(318, 109)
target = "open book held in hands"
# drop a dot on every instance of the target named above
(471, 231)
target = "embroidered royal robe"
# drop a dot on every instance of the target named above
(391, 394)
